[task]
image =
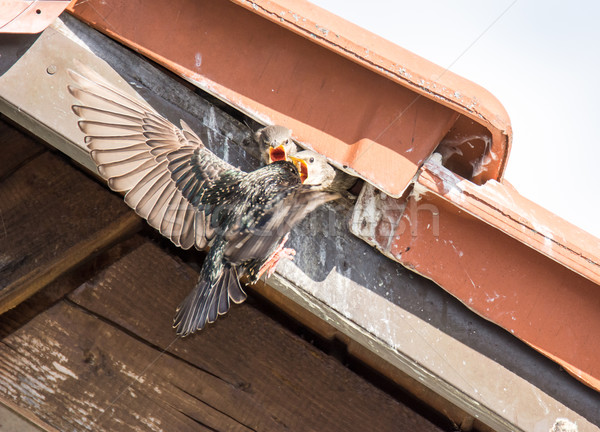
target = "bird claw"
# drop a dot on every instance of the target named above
(286, 253)
(271, 263)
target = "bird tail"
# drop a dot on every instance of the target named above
(208, 300)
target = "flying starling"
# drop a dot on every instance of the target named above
(196, 199)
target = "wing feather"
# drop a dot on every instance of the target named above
(145, 190)
(162, 168)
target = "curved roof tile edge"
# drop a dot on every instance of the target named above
(401, 65)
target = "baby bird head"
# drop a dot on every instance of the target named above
(313, 169)
(275, 143)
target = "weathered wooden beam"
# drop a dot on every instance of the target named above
(363, 297)
(50, 220)
(249, 367)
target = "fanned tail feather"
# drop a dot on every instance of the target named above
(208, 300)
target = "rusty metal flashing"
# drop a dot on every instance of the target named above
(29, 16)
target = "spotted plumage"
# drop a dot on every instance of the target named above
(190, 195)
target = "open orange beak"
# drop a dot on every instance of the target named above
(301, 167)
(277, 154)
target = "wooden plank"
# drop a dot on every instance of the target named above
(53, 218)
(16, 148)
(74, 371)
(325, 329)
(413, 325)
(45, 298)
(291, 382)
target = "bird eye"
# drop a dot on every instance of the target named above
(311, 160)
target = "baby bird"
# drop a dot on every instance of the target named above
(275, 143)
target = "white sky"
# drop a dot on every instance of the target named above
(541, 59)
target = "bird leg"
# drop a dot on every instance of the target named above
(279, 253)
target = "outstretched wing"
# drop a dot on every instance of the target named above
(164, 170)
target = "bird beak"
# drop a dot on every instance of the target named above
(300, 166)
(277, 154)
